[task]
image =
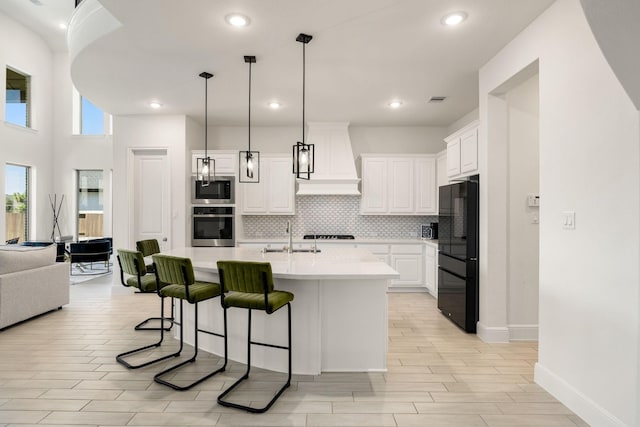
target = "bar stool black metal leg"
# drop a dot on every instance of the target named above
(223, 402)
(157, 378)
(120, 358)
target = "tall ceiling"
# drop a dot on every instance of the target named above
(364, 53)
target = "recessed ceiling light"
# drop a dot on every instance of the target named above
(395, 104)
(237, 20)
(62, 26)
(454, 18)
(274, 105)
(155, 105)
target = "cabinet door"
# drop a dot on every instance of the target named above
(453, 157)
(430, 270)
(281, 185)
(410, 268)
(425, 183)
(469, 151)
(401, 186)
(255, 195)
(374, 186)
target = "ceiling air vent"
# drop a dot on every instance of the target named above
(437, 98)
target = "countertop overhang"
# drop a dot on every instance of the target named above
(330, 264)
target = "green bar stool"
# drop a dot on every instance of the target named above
(132, 263)
(148, 247)
(177, 274)
(250, 286)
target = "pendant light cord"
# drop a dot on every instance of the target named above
(303, 86)
(249, 125)
(206, 129)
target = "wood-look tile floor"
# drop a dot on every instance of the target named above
(60, 369)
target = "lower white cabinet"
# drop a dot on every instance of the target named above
(408, 261)
(431, 269)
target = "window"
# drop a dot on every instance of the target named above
(91, 118)
(90, 203)
(17, 98)
(17, 202)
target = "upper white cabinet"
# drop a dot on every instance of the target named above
(226, 162)
(275, 193)
(462, 151)
(398, 185)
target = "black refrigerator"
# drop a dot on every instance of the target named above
(458, 253)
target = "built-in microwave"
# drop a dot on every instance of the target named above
(219, 190)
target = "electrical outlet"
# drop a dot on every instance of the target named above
(569, 220)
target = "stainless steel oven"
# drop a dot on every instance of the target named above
(213, 226)
(220, 190)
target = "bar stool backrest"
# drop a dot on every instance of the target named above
(246, 276)
(148, 247)
(173, 269)
(128, 260)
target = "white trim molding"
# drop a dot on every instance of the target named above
(587, 409)
(523, 332)
(492, 334)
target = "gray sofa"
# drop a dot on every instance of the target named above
(31, 282)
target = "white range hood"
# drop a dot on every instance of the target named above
(335, 169)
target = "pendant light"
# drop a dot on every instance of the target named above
(249, 170)
(303, 154)
(206, 166)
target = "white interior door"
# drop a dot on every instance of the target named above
(151, 204)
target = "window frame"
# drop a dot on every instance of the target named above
(28, 197)
(29, 104)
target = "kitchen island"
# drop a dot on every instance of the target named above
(339, 314)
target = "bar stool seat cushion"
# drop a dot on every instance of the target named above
(276, 299)
(147, 282)
(198, 291)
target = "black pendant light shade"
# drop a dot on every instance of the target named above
(206, 166)
(303, 154)
(249, 161)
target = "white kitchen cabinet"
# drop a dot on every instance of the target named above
(430, 269)
(426, 186)
(462, 151)
(226, 162)
(408, 261)
(275, 193)
(398, 185)
(441, 174)
(374, 185)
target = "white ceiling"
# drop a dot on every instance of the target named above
(364, 53)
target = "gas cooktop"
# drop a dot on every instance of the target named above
(329, 236)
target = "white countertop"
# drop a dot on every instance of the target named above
(357, 240)
(331, 263)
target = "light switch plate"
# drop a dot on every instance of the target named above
(568, 220)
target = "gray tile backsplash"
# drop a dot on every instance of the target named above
(334, 215)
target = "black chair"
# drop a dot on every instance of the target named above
(88, 252)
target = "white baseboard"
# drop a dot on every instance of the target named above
(585, 408)
(523, 332)
(492, 334)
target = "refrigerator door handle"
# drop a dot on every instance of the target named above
(452, 273)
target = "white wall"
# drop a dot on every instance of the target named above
(164, 132)
(589, 163)
(75, 152)
(364, 139)
(522, 109)
(26, 52)
(463, 121)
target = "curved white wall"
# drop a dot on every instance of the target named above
(589, 163)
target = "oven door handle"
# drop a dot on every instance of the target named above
(213, 216)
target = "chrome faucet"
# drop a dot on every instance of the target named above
(290, 247)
